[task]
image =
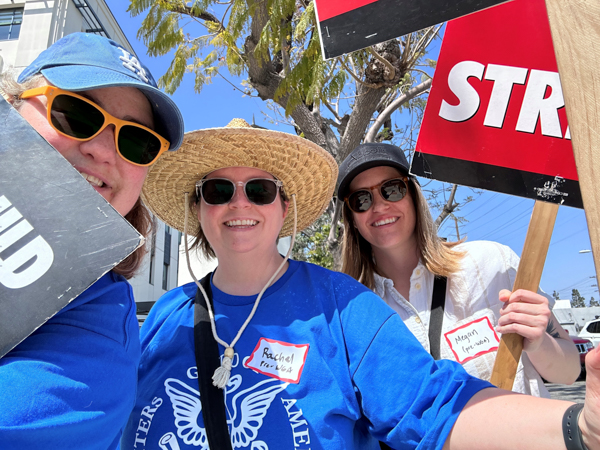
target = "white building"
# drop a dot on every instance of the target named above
(27, 27)
(159, 271)
(573, 319)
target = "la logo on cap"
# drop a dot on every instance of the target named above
(132, 63)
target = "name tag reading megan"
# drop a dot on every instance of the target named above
(278, 359)
(472, 340)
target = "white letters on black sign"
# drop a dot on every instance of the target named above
(12, 228)
(536, 105)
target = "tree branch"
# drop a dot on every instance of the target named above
(266, 80)
(358, 80)
(328, 106)
(181, 8)
(423, 43)
(448, 207)
(412, 93)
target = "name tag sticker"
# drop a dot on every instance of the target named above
(472, 340)
(278, 359)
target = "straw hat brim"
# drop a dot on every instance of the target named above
(305, 169)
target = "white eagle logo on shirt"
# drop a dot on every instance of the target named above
(248, 409)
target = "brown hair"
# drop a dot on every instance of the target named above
(200, 243)
(139, 217)
(438, 256)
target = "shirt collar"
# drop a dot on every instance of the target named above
(384, 285)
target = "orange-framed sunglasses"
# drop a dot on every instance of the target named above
(79, 118)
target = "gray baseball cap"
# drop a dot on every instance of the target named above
(366, 156)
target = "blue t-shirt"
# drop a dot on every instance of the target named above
(71, 384)
(324, 364)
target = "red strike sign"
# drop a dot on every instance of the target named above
(497, 102)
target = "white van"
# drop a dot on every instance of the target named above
(591, 331)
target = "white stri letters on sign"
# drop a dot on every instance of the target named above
(535, 102)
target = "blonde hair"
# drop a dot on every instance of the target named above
(12, 90)
(438, 256)
(139, 217)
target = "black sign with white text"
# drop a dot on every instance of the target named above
(57, 234)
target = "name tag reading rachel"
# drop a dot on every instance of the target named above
(472, 340)
(278, 359)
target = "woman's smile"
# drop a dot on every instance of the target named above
(241, 224)
(386, 221)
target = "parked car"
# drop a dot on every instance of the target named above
(591, 331)
(584, 346)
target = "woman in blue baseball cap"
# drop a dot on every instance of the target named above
(454, 297)
(71, 384)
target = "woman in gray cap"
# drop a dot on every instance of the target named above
(391, 245)
(71, 384)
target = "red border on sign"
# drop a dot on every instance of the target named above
(327, 9)
(478, 354)
(285, 344)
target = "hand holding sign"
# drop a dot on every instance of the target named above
(525, 313)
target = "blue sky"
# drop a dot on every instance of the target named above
(491, 216)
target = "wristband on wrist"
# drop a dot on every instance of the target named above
(570, 428)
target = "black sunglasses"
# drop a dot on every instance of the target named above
(220, 191)
(392, 190)
(79, 118)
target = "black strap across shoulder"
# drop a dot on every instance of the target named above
(438, 303)
(207, 361)
(211, 397)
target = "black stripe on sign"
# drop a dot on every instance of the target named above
(499, 179)
(388, 19)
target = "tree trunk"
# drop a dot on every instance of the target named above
(366, 104)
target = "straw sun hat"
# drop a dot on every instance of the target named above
(304, 168)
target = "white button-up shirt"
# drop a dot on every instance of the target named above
(471, 301)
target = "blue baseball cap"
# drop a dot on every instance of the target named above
(82, 61)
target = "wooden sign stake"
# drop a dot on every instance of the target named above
(528, 277)
(576, 37)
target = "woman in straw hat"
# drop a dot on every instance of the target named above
(71, 383)
(391, 245)
(306, 357)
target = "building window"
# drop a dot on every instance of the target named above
(10, 23)
(165, 277)
(151, 276)
(167, 258)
